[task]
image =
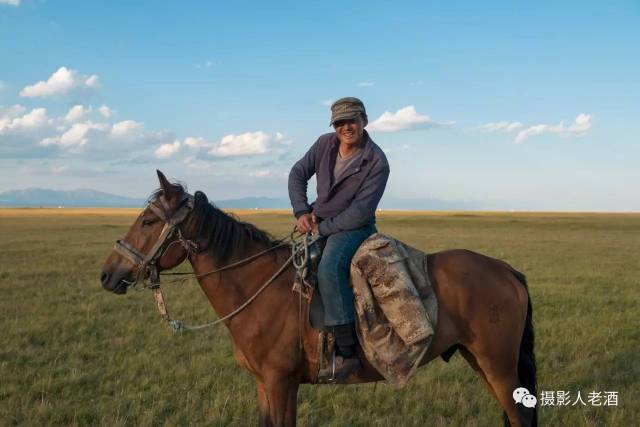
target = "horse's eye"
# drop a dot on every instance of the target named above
(147, 222)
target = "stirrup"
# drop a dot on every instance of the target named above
(342, 367)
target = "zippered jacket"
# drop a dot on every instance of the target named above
(351, 201)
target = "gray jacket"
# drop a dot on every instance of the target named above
(351, 201)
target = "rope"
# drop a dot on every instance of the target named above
(235, 264)
(179, 326)
(298, 262)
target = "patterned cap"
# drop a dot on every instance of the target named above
(346, 109)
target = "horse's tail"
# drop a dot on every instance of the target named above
(527, 358)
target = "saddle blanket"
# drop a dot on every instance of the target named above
(396, 308)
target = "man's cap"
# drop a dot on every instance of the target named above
(346, 109)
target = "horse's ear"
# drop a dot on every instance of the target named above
(168, 189)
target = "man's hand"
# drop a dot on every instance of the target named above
(305, 223)
(308, 222)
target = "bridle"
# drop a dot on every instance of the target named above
(147, 265)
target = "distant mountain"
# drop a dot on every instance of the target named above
(32, 197)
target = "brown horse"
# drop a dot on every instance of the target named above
(484, 310)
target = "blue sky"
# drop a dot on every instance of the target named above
(503, 104)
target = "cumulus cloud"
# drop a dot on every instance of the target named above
(244, 144)
(76, 136)
(126, 128)
(167, 150)
(580, 126)
(501, 126)
(13, 121)
(195, 142)
(60, 82)
(11, 2)
(105, 111)
(8, 114)
(404, 119)
(76, 113)
(97, 139)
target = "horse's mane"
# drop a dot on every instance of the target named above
(219, 232)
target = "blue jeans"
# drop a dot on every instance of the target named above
(333, 274)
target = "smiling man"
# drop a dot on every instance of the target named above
(351, 173)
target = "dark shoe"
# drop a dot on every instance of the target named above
(345, 336)
(345, 367)
(338, 369)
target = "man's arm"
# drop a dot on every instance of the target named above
(299, 176)
(363, 206)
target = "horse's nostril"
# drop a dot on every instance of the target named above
(104, 277)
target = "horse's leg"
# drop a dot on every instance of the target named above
(471, 359)
(504, 382)
(263, 405)
(498, 360)
(282, 394)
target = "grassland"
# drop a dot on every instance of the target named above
(73, 354)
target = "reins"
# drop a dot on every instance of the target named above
(227, 267)
(299, 258)
(150, 275)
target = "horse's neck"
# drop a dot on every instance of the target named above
(229, 289)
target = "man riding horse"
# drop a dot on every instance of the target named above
(351, 173)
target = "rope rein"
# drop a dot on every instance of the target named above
(147, 265)
(179, 326)
(299, 257)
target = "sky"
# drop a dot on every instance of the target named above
(509, 105)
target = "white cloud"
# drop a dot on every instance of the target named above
(11, 120)
(126, 128)
(367, 83)
(282, 139)
(501, 126)
(167, 150)
(7, 114)
(242, 145)
(57, 170)
(403, 119)
(580, 126)
(11, 2)
(77, 113)
(76, 136)
(327, 102)
(195, 142)
(261, 173)
(105, 111)
(92, 82)
(60, 82)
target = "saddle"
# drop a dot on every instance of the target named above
(306, 281)
(396, 308)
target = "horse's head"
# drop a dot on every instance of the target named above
(153, 243)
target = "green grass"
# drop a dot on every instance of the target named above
(73, 354)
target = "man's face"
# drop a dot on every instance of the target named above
(350, 131)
